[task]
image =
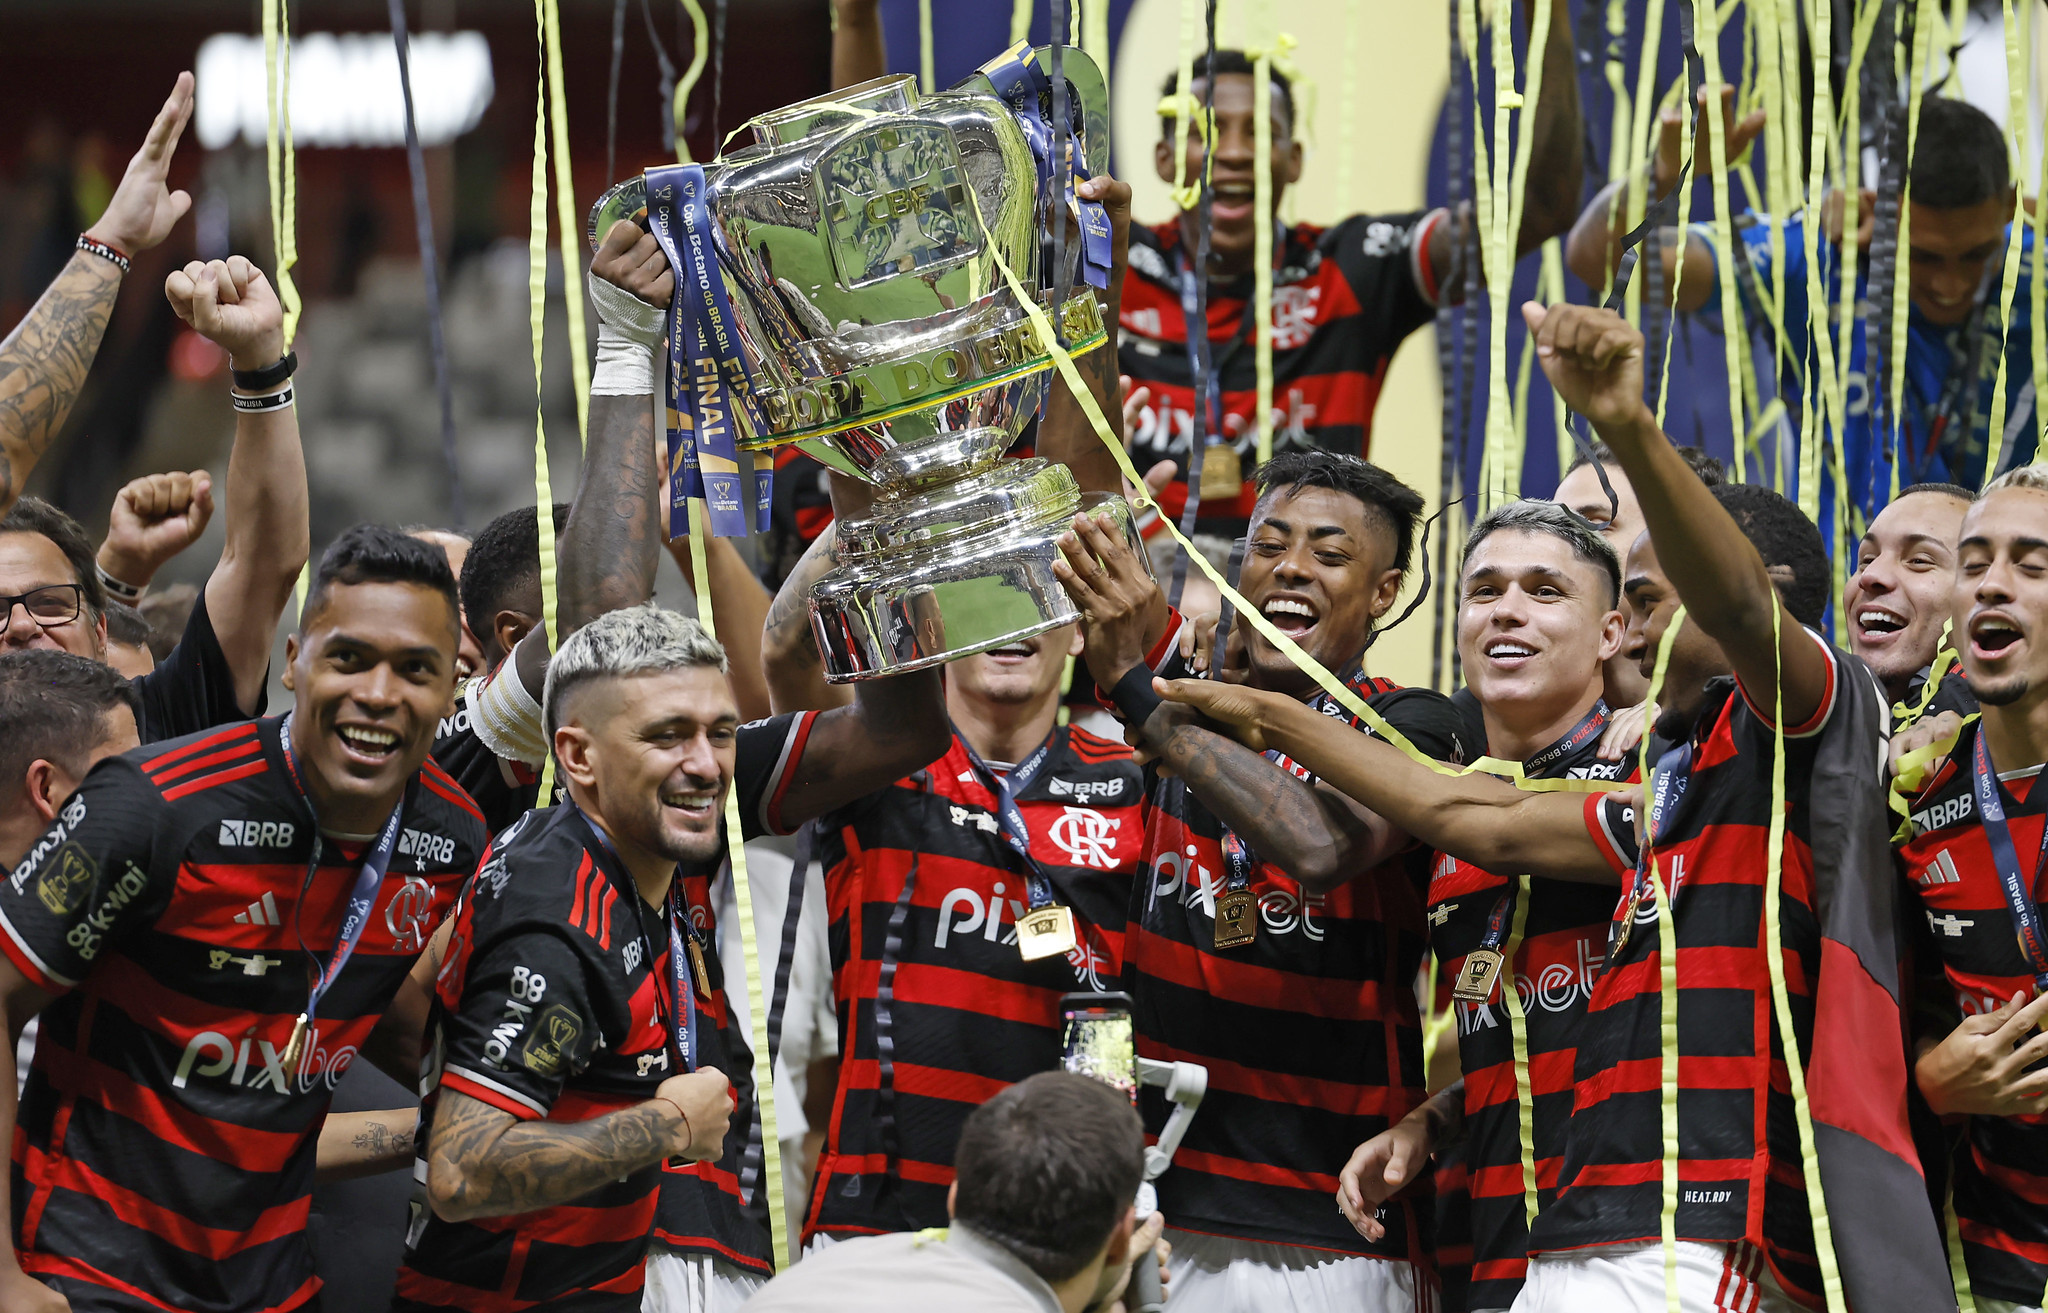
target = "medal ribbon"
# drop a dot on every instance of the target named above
(706, 368)
(681, 998)
(2019, 900)
(1024, 86)
(362, 896)
(1011, 817)
(1674, 772)
(1580, 735)
(1497, 920)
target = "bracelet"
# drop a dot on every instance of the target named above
(688, 1134)
(258, 405)
(94, 246)
(268, 377)
(1135, 697)
(119, 589)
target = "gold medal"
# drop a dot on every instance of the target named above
(697, 965)
(1222, 472)
(1235, 924)
(1476, 978)
(1628, 922)
(297, 1042)
(1045, 932)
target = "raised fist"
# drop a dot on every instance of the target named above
(231, 302)
(154, 518)
(1593, 357)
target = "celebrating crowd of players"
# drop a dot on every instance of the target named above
(1720, 966)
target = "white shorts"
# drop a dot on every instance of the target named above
(1214, 1274)
(695, 1283)
(1722, 1278)
(2004, 1306)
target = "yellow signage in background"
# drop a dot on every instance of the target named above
(1401, 73)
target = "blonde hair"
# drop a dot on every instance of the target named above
(2021, 476)
(637, 640)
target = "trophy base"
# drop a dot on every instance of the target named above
(898, 612)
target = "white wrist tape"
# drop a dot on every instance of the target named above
(625, 366)
(630, 316)
(506, 717)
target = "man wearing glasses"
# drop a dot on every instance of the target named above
(56, 593)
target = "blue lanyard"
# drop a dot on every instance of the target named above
(1591, 724)
(1011, 817)
(362, 896)
(2019, 898)
(680, 997)
(709, 383)
(1024, 86)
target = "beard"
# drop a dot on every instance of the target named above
(2003, 693)
(652, 830)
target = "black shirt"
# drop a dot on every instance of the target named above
(192, 689)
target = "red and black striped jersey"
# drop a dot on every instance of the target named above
(163, 1156)
(504, 790)
(1311, 1032)
(1343, 300)
(2001, 1166)
(1739, 1155)
(1563, 940)
(923, 864)
(553, 1006)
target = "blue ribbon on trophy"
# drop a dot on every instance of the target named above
(709, 384)
(1024, 86)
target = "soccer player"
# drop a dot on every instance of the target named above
(582, 983)
(932, 891)
(212, 930)
(1960, 206)
(1537, 619)
(63, 714)
(1275, 926)
(1620, 520)
(219, 671)
(1898, 599)
(1973, 857)
(1751, 575)
(1344, 297)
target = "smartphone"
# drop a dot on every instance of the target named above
(1100, 1041)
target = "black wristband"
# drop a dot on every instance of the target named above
(1135, 697)
(268, 377)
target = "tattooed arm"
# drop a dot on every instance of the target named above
(483, 1162)
(354, 1144)
(43, 362)
(608, 548)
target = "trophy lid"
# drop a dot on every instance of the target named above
(896, 93)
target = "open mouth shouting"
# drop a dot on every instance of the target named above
(1876, 625)
(370, 746)
(1994, 636)
(1231, 202)
(1292, 614)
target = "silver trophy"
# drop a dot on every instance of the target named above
(862, 239)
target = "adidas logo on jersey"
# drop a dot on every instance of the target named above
(1942, 870)
(261, 912)
(256, 834)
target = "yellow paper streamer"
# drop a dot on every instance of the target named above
(1262, 247)
(1707, 30)
(750, 951)
(1518, 1030)
(700, 45)
(1896, 362)
(2016, 133)
(281, 159)
(571, 244)
(536, 322)
(930, 80)
(1020, 22)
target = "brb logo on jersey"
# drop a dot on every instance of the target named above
(425, 847)
(256, 834)
(1087, 837)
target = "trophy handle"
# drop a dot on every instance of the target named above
(1088, 94)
